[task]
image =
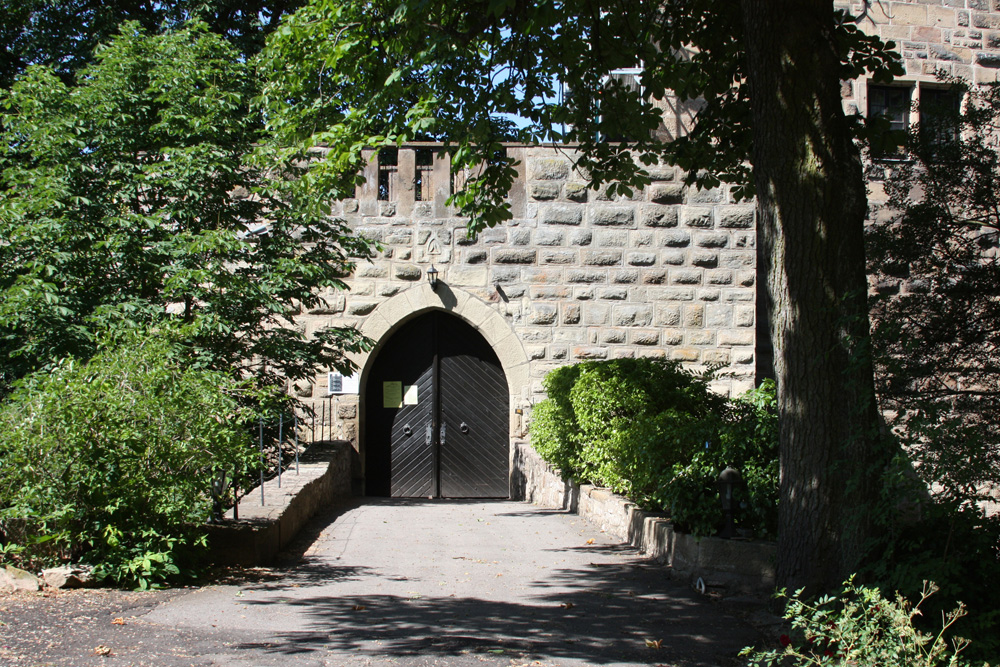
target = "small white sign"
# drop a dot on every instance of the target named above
(339, 384)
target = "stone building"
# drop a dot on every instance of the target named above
(446, 393)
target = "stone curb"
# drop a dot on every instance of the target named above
(742, 565)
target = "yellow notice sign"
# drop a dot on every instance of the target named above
(392, 394)
(410, 395)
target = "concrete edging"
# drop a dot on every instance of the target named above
(738, 564)
(264, 529)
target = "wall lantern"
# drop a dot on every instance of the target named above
(729, 479)
(432, 276)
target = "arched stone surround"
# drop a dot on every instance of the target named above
(421, 298)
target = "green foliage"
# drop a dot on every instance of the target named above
(654, 432)
(356, 74)
(861, 627)
(960, 548)
(636, 417)
(554, 431)
(938, 535)
(111, 461)
(747, 441)
(64, 33)
(133, 198)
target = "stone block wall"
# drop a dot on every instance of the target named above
(576, 275)
(955, 37)
(959, 38)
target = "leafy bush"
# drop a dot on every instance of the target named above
(111, 462)
(861, 627)
(641, 426)
(554, 431)
(636, 417)
(956, 544)
(747, 441)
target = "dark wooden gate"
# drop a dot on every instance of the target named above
(436, 422)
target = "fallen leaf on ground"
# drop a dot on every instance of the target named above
(359, 607)
(102, 650)
(118, 621)
(654, 643)
(567, 605)
(590, 541)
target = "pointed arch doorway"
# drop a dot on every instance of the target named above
(436, 404)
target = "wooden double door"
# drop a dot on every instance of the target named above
(436, 414)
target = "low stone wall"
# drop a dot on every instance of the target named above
(738, 564)
(265, 528)
(532, 479)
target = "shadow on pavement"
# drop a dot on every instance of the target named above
(613, 613)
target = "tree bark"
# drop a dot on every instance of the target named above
(811, 204)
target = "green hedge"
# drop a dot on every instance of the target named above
(653, 431)
(747, 441)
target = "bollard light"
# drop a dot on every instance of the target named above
(729, 479)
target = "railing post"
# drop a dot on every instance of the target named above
(281, 428)
(260, 434)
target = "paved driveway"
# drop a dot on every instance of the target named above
(464, 582)
(450, 583)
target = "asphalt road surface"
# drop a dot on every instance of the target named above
(401, 582)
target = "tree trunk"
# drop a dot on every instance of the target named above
(811, 208)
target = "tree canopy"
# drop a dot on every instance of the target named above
(133, 197)
(64, 34)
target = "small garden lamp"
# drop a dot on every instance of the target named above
(432, 276)
(728, 481)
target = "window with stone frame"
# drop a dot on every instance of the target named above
(893, 104)
(931, 107)
(939, 110)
